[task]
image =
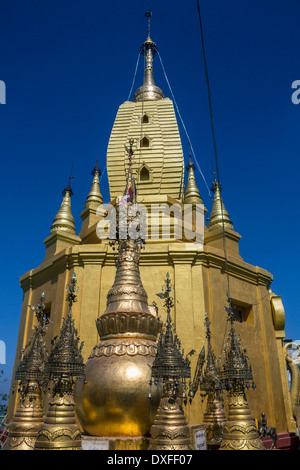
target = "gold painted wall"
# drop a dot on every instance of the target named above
(200, 286)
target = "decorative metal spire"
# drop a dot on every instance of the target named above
(211, 387)
(23, 429)
(148, 15)
(64, 220)
(119, 367)
(170, 363)
(33, 356)
(127, 295)
(240, 432)
(130, 178)
(210, 382)
(219, 216)
(235, 371)
(65, 361)
(64, 365)
(148, 91)
(170, 430)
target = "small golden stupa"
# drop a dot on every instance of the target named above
(170, 430)
(60, 430)
(240, 431)
(207, 378)
(24, 427)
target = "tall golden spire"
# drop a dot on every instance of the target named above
(148, 91)
(192, 194)
(64, 220)
(94, 197)
(113, 402)
(219, 216)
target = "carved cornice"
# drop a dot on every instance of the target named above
(124, 347)
(159, 254)
(115, 325)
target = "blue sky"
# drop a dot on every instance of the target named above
(68, 65)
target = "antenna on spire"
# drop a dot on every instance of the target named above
(148, 15)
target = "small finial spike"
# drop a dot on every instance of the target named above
(148, 15)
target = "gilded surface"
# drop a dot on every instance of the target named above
(240, 432)
(214, 417)
(199, 273)
(295, 381)
(113, 398)
(170, 430)
(23, 429)
(59, 430)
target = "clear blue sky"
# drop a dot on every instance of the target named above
(68, 65)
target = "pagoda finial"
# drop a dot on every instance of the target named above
(219, 216)
(63, 367)
(240, 431)
(24, 427)
(192, 194)
(68, 189)
(148, 15)
(170, 429)
(148, 91)
(64, 220)
(94, 198)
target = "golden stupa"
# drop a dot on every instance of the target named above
(113, 399)
(123, 302)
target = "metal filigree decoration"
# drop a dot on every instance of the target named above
(64, 365)
(23, 429)
(170, 430)
(130, 221)
(65, 361)
(170, 363)
(236, 370)
(207, 373)
(31, 367)
(240, 432)
(207, 378)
